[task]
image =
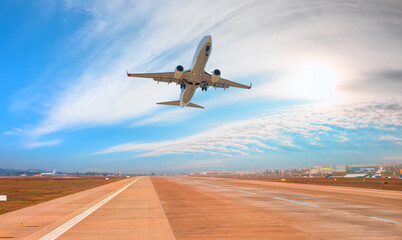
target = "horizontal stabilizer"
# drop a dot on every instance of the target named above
(194, 105)
(177, 103)
(174, 103)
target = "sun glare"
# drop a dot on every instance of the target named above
(317, 82)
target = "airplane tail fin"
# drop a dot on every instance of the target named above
(54, 171)
(378, 173)
(177, 103)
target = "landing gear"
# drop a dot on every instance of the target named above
(183, 86)
(204, 89)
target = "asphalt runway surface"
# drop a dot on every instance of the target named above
(210, 208)
(219, 208)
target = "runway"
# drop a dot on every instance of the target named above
(127, 209)
(210, 208)
(217, 208)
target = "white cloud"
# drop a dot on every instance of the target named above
(390, 138)
(257, 150)
(43, 143)
(278, 128)
(268, 41)
(343, 138)
(288, 143)
(168, 117)
(14, 132)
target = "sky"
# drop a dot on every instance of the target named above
(326, 75)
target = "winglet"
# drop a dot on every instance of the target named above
(128, 74)
(251, 84)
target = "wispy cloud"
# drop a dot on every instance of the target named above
(270, 39)
(43, 144)
(343, 138)
(275, 130)
(390, 138)
(288, 143)
(168, 117)
(14, 132)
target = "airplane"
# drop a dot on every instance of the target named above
(378, 173)
(48, 174)
(193, 78)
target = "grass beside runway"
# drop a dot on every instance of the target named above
(26, 191)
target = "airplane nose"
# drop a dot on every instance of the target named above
(208, 38)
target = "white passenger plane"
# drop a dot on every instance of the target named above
(193, 78)
(48, 173)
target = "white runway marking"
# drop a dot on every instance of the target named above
(246, 192)
(66, 226)
(383, 219)
(287, 200)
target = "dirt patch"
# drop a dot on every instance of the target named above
(26, 191)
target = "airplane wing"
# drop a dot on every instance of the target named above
(223, 83)
(167, 77)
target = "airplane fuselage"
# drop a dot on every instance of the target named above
(197, 70)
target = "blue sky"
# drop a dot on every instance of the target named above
(327, 83)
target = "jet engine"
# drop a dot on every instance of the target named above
(216, 75)
(178, 73)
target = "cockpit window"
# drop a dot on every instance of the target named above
(207, 48)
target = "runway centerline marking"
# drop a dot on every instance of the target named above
(71, 223)
(383, 219)
(287, 200)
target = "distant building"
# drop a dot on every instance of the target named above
(314, 171)
(326, 170)
(362, 169)
(340, 168)
(363, 165)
